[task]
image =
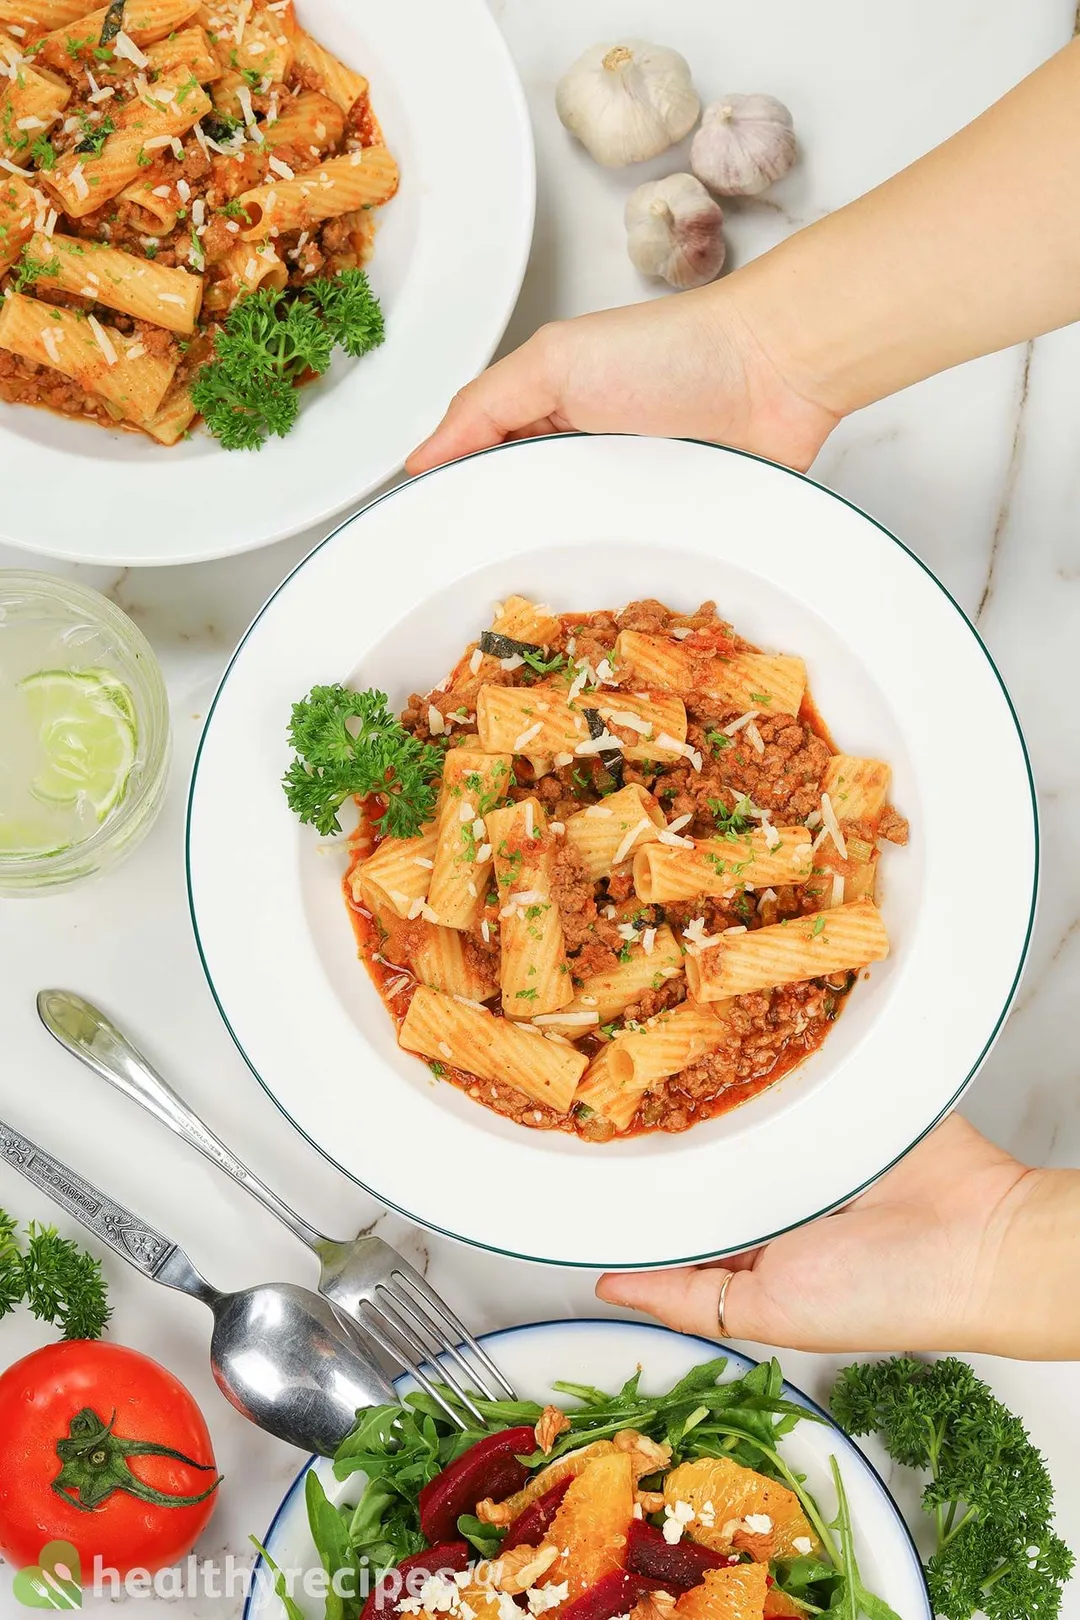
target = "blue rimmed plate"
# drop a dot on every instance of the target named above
(604, 1353)
(583, 523)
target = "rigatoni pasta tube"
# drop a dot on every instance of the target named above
(604, 835)
(838, 941)
(443, 960)
(534, 974)
(772, 683)
(365, 178)
(108, 275)
(244, 270)
(857, 788)
(42, 16)
(145, 22)
(632, 1064)
(17, 209)
(312, 123)
(29, 106)
(472, 785)
(519, 619)
(83, 181)
(541, 720)
(157, 215)
(340, 83)
(442, 1028)
(188, 48)
(173, 417)
(716, 866)
(397, 876)
(76, 346)
(609, 994)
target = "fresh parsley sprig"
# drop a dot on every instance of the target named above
(59, 1282)
(349, 743)
(989, 1492)
(247, 393)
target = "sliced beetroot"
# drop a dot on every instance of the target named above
(490, 1468)
(531, 1526)
(677, 1567)
(613, 1594)
(385, 1596)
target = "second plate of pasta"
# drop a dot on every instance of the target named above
(656, 860)
(236, 287)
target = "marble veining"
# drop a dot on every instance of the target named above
(977, 470)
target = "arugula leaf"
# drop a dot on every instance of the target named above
(852, 1600)
(989, 1492)
(293, 1611)
(349, 743)
(331, 1536)
(486, 1538)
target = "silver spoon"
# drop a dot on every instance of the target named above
(278, 1352)
(365, 1280)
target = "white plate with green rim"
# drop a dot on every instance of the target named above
(449, 260)
(390, 600)
(604, 1354)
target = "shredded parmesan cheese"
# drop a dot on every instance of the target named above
(103, 341)
(828, 816)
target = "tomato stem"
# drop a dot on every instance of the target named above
(95, 1464)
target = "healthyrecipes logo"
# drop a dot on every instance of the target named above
(56, 1581)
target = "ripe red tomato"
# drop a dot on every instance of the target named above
(68, 1416)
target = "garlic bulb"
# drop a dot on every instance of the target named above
(743, 145)
(628, 101)
(674, 229)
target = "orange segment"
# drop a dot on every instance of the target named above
(591, 1526)
(732, 1492)
(737, 1593)
(778, 1606)
(566, 1467)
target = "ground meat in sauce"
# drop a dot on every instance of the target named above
(769, 1031)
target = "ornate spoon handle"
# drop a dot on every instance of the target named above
(142, 1247)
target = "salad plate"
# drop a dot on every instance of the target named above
(603, 1354)
(447, 268)
(389, 602)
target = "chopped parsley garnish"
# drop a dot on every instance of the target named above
(818, 928)
(764, 698)
(74, 46)
(30, 270)
(528, 995)
(438, 1069)
(269, 342)
(717, 741)
(44, 153)
(234, 209)
(537, 662)
(731, 823)
(349, 743)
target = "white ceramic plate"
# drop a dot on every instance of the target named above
(605, 1353)
(450, 256)
(585, 523)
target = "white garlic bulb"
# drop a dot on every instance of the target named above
(674, 229)
(628, 101)
(743, 145)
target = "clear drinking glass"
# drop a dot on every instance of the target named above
(84, 733)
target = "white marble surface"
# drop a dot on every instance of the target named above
(978, 471)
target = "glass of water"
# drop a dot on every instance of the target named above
(84, 733)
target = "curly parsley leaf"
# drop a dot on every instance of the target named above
(247, 393)
(59, 1282)
(989, 1492)
(28, 270)
(349, 743)
(350, 310)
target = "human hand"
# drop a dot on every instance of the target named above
(688, 366)
(916, 1263)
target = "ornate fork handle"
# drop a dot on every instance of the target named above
(124, 1232)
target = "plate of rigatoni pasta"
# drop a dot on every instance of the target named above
(581, 867)
(234, 286)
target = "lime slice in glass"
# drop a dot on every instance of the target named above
(86, 727)
(23, 837)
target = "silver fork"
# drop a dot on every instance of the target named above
(365, 1280)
